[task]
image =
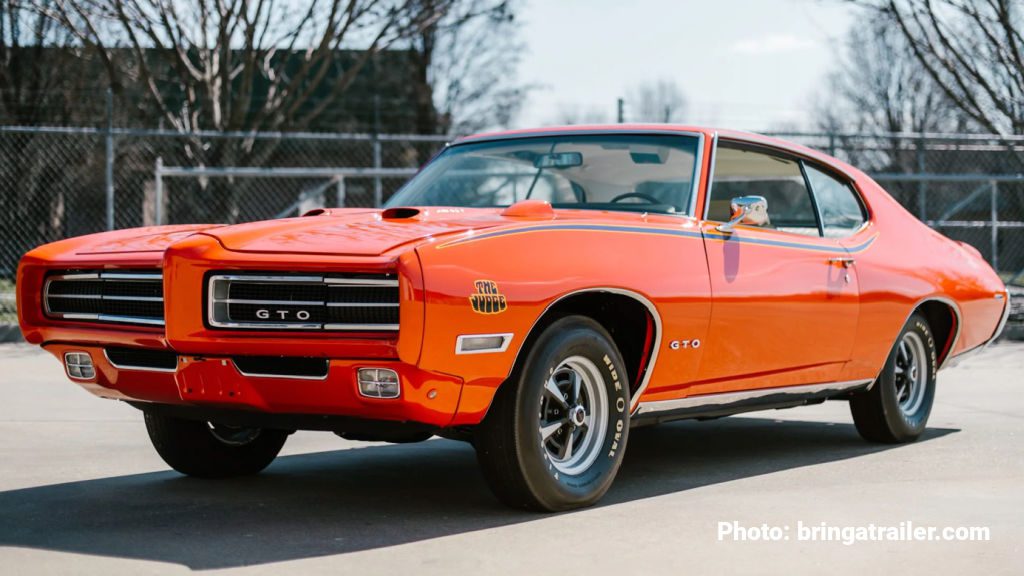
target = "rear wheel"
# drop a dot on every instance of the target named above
(897, 407)
(555, 435)
(209, 450)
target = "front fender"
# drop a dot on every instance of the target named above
(527, 270)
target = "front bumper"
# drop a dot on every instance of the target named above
(215, 382)
(205, 375)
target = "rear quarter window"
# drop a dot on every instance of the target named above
(842, 213)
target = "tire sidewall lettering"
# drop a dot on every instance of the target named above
(618, 412)
(917, 420)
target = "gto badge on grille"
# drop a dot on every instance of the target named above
(487, 299)
(263, 314)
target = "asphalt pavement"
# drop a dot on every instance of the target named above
(82, 491)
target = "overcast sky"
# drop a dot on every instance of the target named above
(747, 64)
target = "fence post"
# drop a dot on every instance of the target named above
(340, 189)
(921, 185)
(994, 215)
(109, 160)
(158, 191)
(378, 188)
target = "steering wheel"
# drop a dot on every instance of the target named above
(640, 195)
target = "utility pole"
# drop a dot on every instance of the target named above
(621, 115)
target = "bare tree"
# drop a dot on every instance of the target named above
(569, 114)
(30, 93)
(33, 197)
(878, 86)
(657, 101)
(470, 58)
(233, 65)
(972, 49)
(877, 89)
(247, 65)
(241, 65)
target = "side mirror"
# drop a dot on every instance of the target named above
(749, 210)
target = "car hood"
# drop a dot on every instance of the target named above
(151, 239)
(355, 232)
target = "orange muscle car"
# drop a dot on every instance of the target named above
(536, 293)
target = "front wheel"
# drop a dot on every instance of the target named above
(897, 407)
(209, 450)
(555, 435)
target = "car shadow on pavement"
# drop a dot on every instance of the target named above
(349, 500)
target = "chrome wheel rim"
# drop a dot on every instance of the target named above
(911, 373)
(573, 415)
(232, 435)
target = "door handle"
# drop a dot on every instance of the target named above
(846, 262)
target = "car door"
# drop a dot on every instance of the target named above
(785, 300)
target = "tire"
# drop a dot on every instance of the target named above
(206, 450)
(896, 408)
(522, 444)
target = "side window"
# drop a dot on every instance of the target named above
(841, 212)
(741, 171)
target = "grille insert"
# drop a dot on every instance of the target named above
(282, 367)
(142, 359)
(114, 297)
(337, 302)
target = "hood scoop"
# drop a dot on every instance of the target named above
(400, 213)
(537, 209)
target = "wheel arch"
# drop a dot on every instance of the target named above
(944, 320)
(631, 319)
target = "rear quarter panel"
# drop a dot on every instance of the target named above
(909, 263)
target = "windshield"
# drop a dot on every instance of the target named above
(641, 173)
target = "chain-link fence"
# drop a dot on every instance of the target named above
(970, 187)
(61, 182)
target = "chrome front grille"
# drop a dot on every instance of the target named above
(334, 302)
(123, 297)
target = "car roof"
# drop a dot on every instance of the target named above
(708, 132)
(585, 129)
